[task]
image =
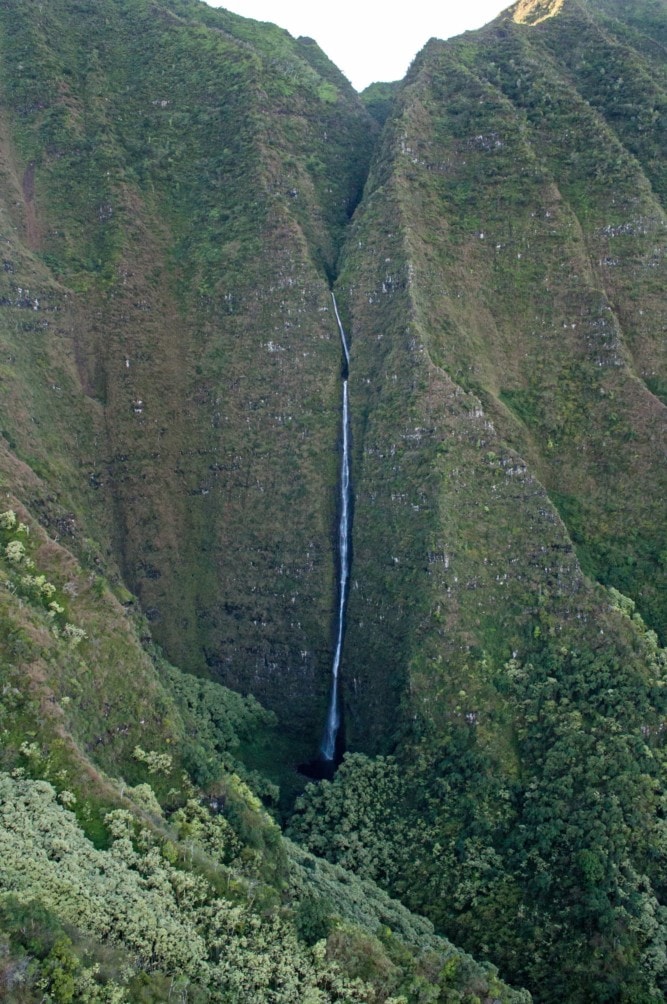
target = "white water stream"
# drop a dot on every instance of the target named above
(328, 747)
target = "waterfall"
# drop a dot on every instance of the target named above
(343, 339)
(328, 747)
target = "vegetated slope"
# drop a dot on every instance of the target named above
(136, 860)
(509, 257)
(503, 286)
(176, 184)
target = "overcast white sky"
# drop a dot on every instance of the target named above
(367, 40)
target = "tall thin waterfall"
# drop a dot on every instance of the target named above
(328, 747)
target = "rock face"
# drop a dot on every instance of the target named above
(179, 189)
(178, 183)
(504, 280)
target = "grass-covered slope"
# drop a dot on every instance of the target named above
(176, 185)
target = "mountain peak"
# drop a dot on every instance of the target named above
(535, 11)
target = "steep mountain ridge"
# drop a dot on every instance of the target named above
(504, 282)
(519, 308)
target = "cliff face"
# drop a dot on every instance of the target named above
(178, 187)
(504, 291)
(178, 182)
(504, 281)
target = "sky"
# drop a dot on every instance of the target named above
(369, 41)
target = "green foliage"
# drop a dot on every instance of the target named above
(219, 725)
(352, 820)
(48, 962)
(379, 100)
(370, 933)
(166, 918)
(557, 849)
(18, 574)
(504, 458)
